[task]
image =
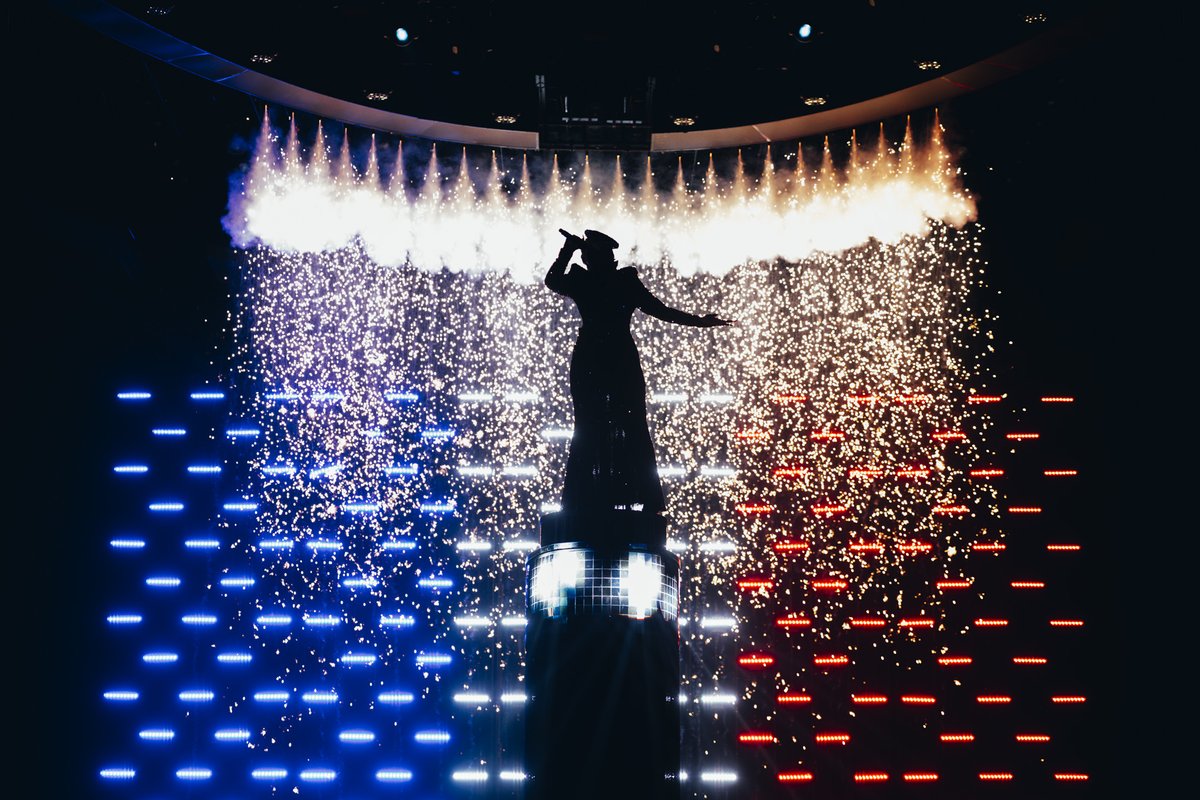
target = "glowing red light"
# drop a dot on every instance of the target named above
(756, 737)
(790, 472)
(755, 660)
(920, 777)
(866, 547)
(995, 776)
(829, 509)
(1068, 699)
(868, 699)
(1028, 584)
(867, 622)
(754, 584)
(1024, 509)
(918, 699)
(1060, 473)
(753, 436)
(795, 777)
(957, 738)
(1029, 660)
(949, 436)
(793, 622)
(954, 661)
(1032, 738)
(917, 622)
(990, 623)
(912, 472)
(989, 547)
(789, 398)
(864, 398)
(864, 472)
(790, 546)
(988, 472)
(831, 660)
(792, 698)
(1058, 399)
(1021, 437)
(831, 738)
(1066, 623)
(870, 777)
(828, 436)
(912, 398)
(947, 510)
(828, 584)
(973, 399)
(1070, 776)
(954, 583)
(993, 699)
(754, 508)
(915, 547)
(1063, 548)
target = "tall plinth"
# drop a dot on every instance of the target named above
(602, 660)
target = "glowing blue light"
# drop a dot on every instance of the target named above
(474, 397)
(231, 735)
(317, 775)
(431, 737)
(718, 776)
(273, 620)
(118, 773)
(512, 775)
(512, 698)
(160, 657)
(514, 622)
(272, 696)
(268, 773)
(328, 397)
(551, 508)
(470, 471)
(398, 698)
(396, 621)
(360, 583)
(472, 622)
(237, 582)
(234, 658)
(438, 506)
(401, 397)
(432, 659)
(163, 581)
(393, 775)
(325, 472)
(400, 544)
(127, 544)
(322, 621)
(240, 505)
(558, 433)
(438, 434)
(469, 776)
(199, 619)
(804, 31)
(202, 544)
(282, 396)
(275, 470)
(121, 696)
(471, 698)
(718, 622)
(124, 619)
(519, 546)
(356, 736)
(156, 735)
(242, 433)
(360, 508)
(131, 469)
(197, 696)
(323, 545)
(398, 470)
(402, 35)
(473, 546)
(438, 582)
(133, 395)
(358, 659)
(319, 697)
(165, 506)
(169, 431)
(204, 469)
(208, 395)
(276, 544)
(522, 397)
(718, 699)
(193, 773)
(519, 471)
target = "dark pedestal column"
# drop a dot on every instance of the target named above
(602, 662)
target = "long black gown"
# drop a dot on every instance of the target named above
(611, 461)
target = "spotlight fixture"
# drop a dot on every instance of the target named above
(402, 36)
(929, 65)
(378, 95)
(684, 122)
(506, 119)
(263, 58)
(804, 31)
(814, 101)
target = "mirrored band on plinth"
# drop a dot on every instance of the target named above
(571, 579)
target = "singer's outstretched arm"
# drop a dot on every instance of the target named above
(657, 308)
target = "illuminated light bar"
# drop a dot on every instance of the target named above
(1028, 584)
(1024, 509)
(988, 472)
(131, 469)
(358, 659)
(320, 697)
(196, 696)
(199, 619)
(790, 546)
(990, 622)
(393, 775)
(1032, 738)
(1063, 548)
(363, 507)
(719, 398)
(756, 737)
(950, 510)
(792, 621)
(558, 433)
(400, 544)
(193, 773)
(469, 776)
(234, 658)
(322, 620)
(948, 436)
(163, 582)
(795, 777)
(240, 505)
(918, 699)
(279, 469)
(432, 659)
(915, 547)
(718, 699)
(993, 699)
(156, 734)
(668, 397)
(1060, 473)
(274, 620)
(474, 397)
(519, 471)
(954, 661)
(870, 777)
(831, 660)
(827, 436)
(1066, 623)
(283, 395)
(753, 436)
(995, 776)
(124, 619)
(474, 471)
(513, 698)
(237, 582)
(754, 508)
(325, 472)
(989, 547)
(916, 622)
(405, 620)
(514, 622)
(718, 546)
(868, 699)
(1021, 437)
(912, 472)
(268, 773)
(127, 544)
(360, 583)
(398, 698)
(471, 698)
(272, 696)
(866, 547)
(521, 397)
(121, 696)
(207, 395)
(398, 470)
(792, 698)
(870, 399)
(920, 777)
(242, 433)
(755, 584)
(755, 660)
(437, 434)
(676, 546)
(323, 545)
(864, 472)
(165, 506)
(828, 584)
(401, 397)
(953, 583)
(204, 469)
(328, 397)
(1068, 699)
(717, 472)
(168, 431)
(133, 395)
(957, 738)
(438, 507)
(317, 775)
(473, 546)
(974, 399)
(356, 736)
(671, 472)
(718, 776)
(790, 472)
(519, 546)
(867, 622)
(472, 622)
(1070, 776)
(231, 735)
(1058, 399)
(785, 398)
(435, 582)
(512, 775)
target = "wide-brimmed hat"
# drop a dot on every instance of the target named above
(598, 239)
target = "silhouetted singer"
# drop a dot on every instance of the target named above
(611, 461)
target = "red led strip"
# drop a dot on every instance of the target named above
(868, 699)
(754, 584)
(945, 510)
(754, 508)
(864, 398)
(989, 472)
(1024, 509)
(916, 622)
(866, 547)
(918, 699)
(1068, 698)
(831, 660)
(831, 738)
(915, 547)
(867, 622)
(990, 623)
(1028, 584)
(828, 584)
(953, 583)
(948, 436)
(792, 698)
(912, 398)
(1030, 660)
(793, 622)
(790, 398)
(983, 398)
(1070, 776)
(795, 777)
(1063, 548)
(864, 472)
(912, 472)
(993, 547)
(957, 738)
(1058, 399)
(755, 660)
(829, 509)
(756, 737)
(1032, 738)
(828, 436)
(914, 777)
(1066, 623)
(954, 661)
(1060, 473)
(995, 776)
(1021, 437)
(790, 472)
(790, 546)
(993, 699)
(870, 777)
(753, 436)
